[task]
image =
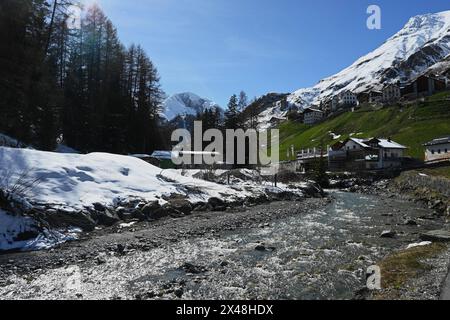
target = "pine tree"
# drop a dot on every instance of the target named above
(232, 114)
(243, 101)
(79, 82)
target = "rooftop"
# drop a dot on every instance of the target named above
(438, 141)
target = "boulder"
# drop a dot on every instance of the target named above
(410, 223)
(27, 235)
(107, 218)
(201, 207)
(65, 219)
(312, 190)
(193, 269)
(388, 234)
(216, 203)
(99, 207)
(436, 236)
(125, 214)
(150, 207)
(178, 293)
(181, 205)
(164, 211)
(260, 248)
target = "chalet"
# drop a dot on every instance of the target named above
(423, 86)
(438, 150)
(375, 97)
(366, 154)
(312, 116)
(345, 99)
(391, 93)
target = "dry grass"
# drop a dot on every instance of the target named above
(400, 267)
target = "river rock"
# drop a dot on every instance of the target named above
(216, 203)
(411, 223)
(99, 207)
(436, 236)
(181, 205)
(150, 207)
(389, 234)
(193, 269)
(178, 292)
(107, 217)
(260, 248)
(65, 219)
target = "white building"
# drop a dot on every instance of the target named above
(366, 154)
(344, 99)
(312, 116)
(438, 150)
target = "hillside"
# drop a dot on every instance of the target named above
(411, 125)
(422, 46)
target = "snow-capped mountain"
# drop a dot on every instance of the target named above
(186, 103)
(422, 43)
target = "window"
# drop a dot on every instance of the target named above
(446, 150)
(432, 151)
(439, 151)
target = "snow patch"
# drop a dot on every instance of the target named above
(74, 182)
(421, 244)
(23, 234)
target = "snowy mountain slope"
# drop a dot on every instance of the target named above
(442, 68)
(186, 103)
(423, 42)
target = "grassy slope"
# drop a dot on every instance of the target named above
(412, 126)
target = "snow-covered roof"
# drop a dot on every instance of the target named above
(162, 155)
(140, 156)
(199, 153)
(389, 144)
(381, 143)
(307, 110)
(361, 142)
(438, 141)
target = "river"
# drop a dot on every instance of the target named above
(315, 254)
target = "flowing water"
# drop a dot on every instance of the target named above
(319, 255)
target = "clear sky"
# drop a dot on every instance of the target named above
(215, 48)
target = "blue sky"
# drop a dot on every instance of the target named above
(218, 47)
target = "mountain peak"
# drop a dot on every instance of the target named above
(421, 43)
(186, 103)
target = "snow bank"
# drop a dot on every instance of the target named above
(23, 233)
(7, 141)
(73, 181)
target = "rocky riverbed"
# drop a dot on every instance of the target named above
(309, 249)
